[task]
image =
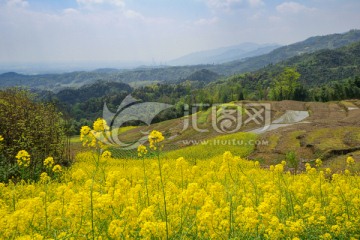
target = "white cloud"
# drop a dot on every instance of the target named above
(89, 2)
(233, 4)
(292, 8)
(205, 21)
(118, 3)
(17, 3)
(256, 3)
(223, 4)
(70, 11)
(133, 15)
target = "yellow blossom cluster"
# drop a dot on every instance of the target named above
(57, 168)
(223, 197)
(87, 136)
(1, 144)
(44, 177)
(100, 125)
(94, 137)
(106, 154)
(142, 150)
(49, 162)
(23, 158)
(155, 137)
(350, 160)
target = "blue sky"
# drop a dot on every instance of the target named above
(159, 30)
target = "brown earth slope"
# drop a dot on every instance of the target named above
(331, 131)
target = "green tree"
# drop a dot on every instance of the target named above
(285, 85)
(37, 128)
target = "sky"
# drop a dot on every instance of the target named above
(50, 31)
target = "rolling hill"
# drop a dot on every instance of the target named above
(310, 45)
(56, 82)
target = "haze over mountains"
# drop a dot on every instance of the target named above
(175, 74)
(213, 56)
(225, 54)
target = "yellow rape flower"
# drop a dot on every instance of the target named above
(44, 177)
(87, 137)
(142, 150)
(78, 175)
(106, 155)
(84, 131)
(155, 137)
(1, 138)
(336, 229)
(95, 137)
(279, 168)
(100, 125)
(57, 169)
(318, 162)
(350, 160)
(116, 228)
(181, 163)
(23, 158)
(327, 236)
(49, 162)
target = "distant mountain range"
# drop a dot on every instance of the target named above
(168, 74)
(318, 69)
(225, 54)
(310, 45)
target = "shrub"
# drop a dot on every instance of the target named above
(32, 126)
(292, 160)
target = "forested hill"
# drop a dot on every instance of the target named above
(56, 82)
(86, 102)
(310, 45)
(325, 75)
(326, 65)
(318, 68)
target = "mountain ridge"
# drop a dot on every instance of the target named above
(223, 54)
(174, 74)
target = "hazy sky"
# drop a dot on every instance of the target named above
(159, 30)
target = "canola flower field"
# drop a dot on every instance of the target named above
(223, 197)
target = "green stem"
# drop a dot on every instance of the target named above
(45, 208)
(164, 196)
(91, 195)
(145, 181)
